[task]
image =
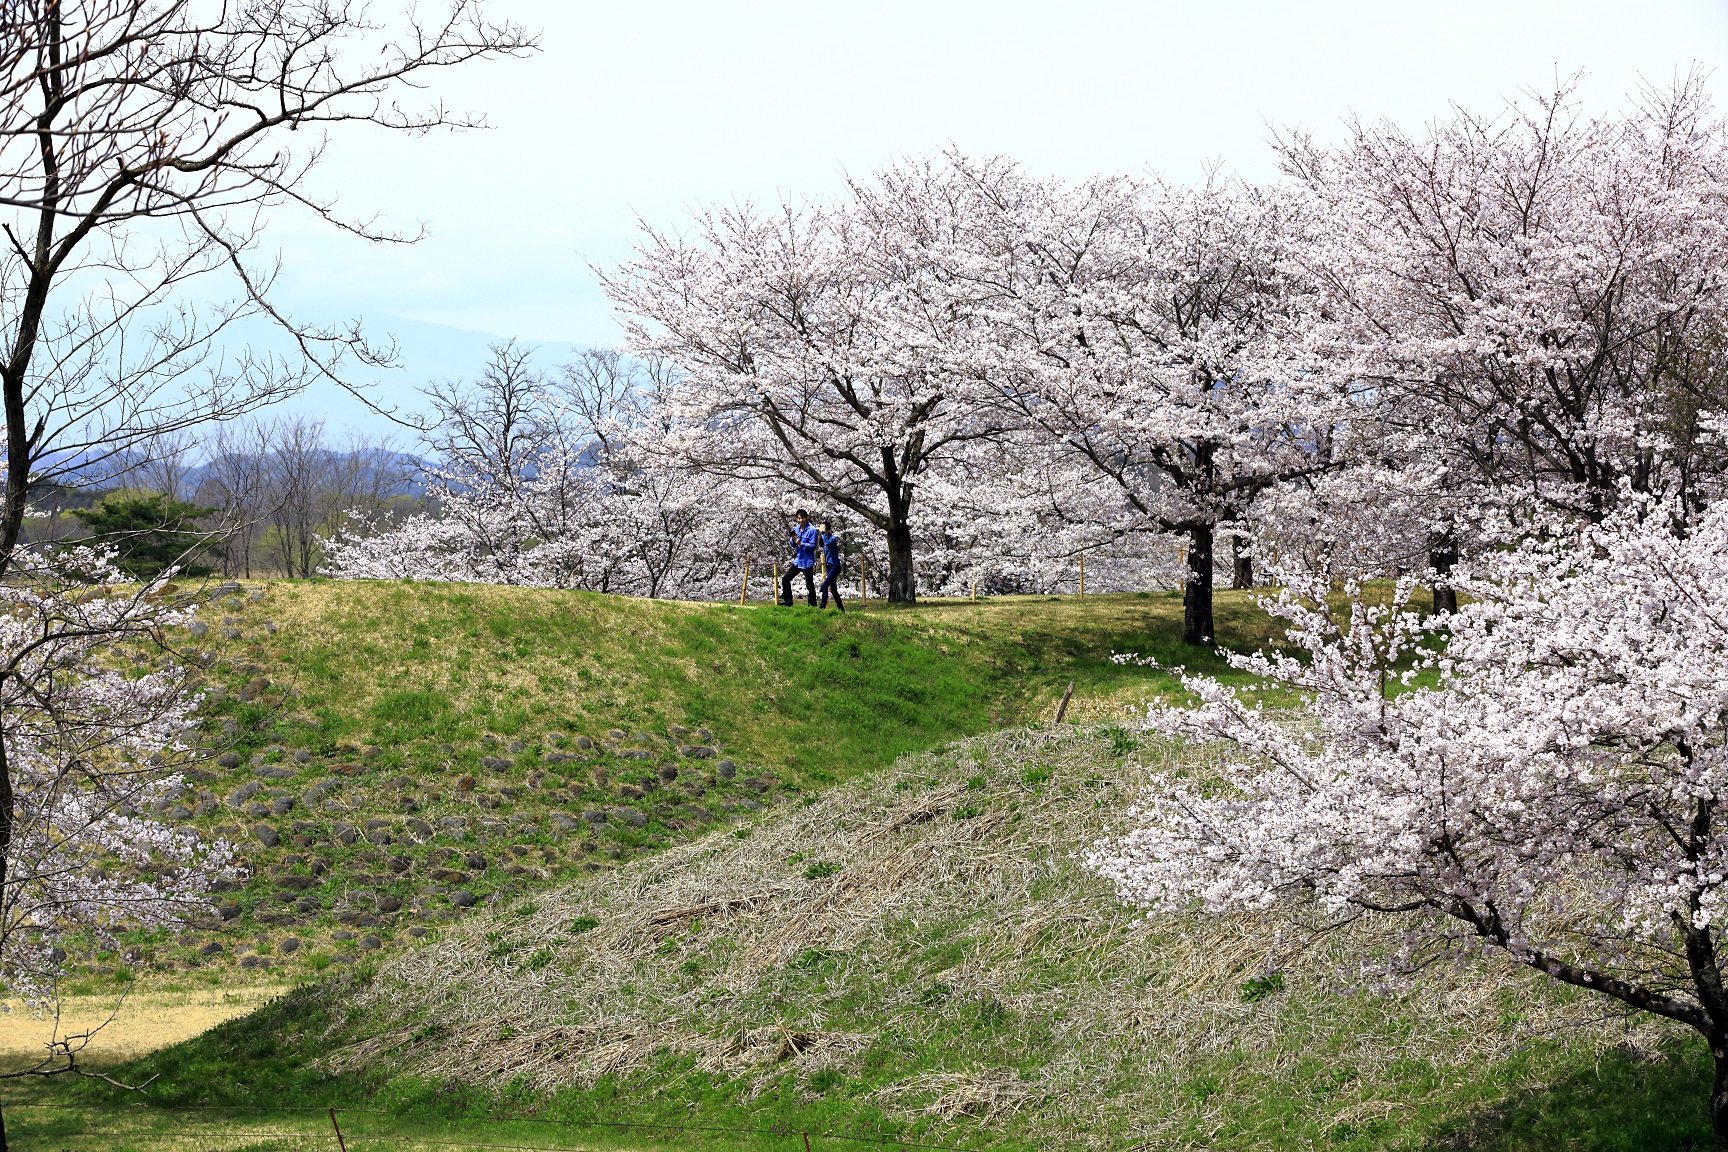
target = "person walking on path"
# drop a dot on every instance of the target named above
(805, 541)
(831, 565)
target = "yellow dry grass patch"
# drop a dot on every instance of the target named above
(145, 1022)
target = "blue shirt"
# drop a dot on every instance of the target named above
(831, 551)
(804, 546)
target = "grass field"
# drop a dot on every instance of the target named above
(917, 955)
(386, 753)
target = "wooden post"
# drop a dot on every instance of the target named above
(863, 580)
(974, 589)
(1062, 708)
(343, 1144)
(744, 592)
(1082, 573)
(776, 589)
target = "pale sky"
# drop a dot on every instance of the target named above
(651, 109)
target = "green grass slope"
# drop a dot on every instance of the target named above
(388, 753)
(921, 955)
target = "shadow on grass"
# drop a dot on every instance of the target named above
(1625, 1103)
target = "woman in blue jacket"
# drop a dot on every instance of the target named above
(831, 561)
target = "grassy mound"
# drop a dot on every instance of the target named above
(921, 954)
(390, 753)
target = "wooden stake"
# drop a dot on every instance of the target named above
(776, 581)
(341, 1143)
(974, 589)
(806, 1142)
(1062, 708)
(744, 592)
(1082, 573)
(863, 580)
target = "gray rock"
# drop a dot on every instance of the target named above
(270, 627)
(628, 816)
(516, 746)
(372, 752)
(266, 835)
(556, 739)
(488, 741)
(389, 904)
(303, 756)
(679, 731)
(296, 883)
(495, 763)
(584, 742)
(420, 829)
(417, 931)
(455, 825)
(232, 634)
(563, 758)
(463, 898)
(199, 629)
(345, 833)
(341, 934)
(282, 805)
(244, 793)
(703, 736)
(615, 734)
(370, 943)
(725, 769)
(179, 812)
(211, 949)
(256, 810)
(668, 774)
(228, 760)
(254, 962)
(289, 945)
(308, 905)
(475, 861)
(563, 823)
(203, 808)
(378, 836)
(335, 807)
(594, 816)
(697, 751)
(750, 804)
(255, 597)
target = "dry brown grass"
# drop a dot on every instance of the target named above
(144, 1022)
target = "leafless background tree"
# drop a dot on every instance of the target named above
(142, 144)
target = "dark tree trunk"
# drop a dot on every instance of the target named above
(1242, 574)
(1718, 1098)
(1442, 555)
(902, 580)
(1197, 593)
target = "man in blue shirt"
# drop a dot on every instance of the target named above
(831, 565)
(805, 540)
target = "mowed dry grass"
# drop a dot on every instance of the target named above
(143, 1023)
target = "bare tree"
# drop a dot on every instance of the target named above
(142, 143)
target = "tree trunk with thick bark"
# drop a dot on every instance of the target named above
(1197, 593)
(1442, 555)
(902, 579)
(1242, 572)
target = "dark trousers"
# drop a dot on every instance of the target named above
(830, 584)
(786, 585)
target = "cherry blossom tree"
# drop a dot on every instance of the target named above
(1540, 294)
(1547, 786)
(553, 481)
(1143, 333)
(94, 712)
(819, 348)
